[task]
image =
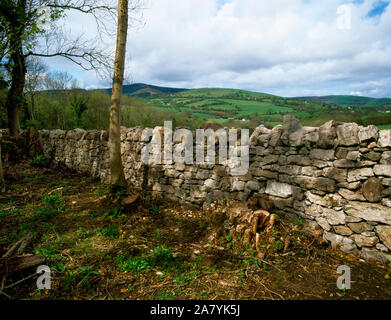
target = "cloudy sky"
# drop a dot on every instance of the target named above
(283, 47)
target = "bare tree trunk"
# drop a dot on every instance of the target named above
(15, 97)
(15, 94)
(117, 170)
(2, 181)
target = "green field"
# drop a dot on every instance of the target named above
(219, 105)
(232, 107)
(384, 127)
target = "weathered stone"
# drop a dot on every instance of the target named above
(177, 183)
(272, 158)
(342, 152)
(277, 189)
(322, 154)
(334, 217)
(369, 211)
(338, 175)
(282, 203)
(370, 133)
(382, 247)
(384, 233)
(290, 169)
(344, 244)
(351, 195)
(322, 184)
(238, 185)
(210, 183)
(382, 170)
(265, 174)
(291, 125)
(303, 135)
(283, 160)
(386, 202)
(322, 164)
(372, 156)
(372, 190)
(171, 173)
(203, 174)
(246, 177)
(310, 226)
(368, 234)
(260, 130)
(363, 241)
(163, 188)
(365, 163)
(330, 200)
(219, 171)
(275, 135)
(362, 164)
(384, 139)
(323, 223)
(386, 182)
(343, 163)
(350, 219)
(311, 136)
(327, 135)
(386, 157)
(313, 210)
(348, 134)
(353, 156)
(373, 254)
(342, 230)
(311, 171)
(350, 186)
(359, 174)
(372, 145)
(299, 160)
(252, 185)
(263, 139)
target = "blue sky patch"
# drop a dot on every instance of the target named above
(378, 8)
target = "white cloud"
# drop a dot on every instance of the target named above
(285, 47)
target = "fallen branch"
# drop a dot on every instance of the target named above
(15, 264)
(19, 246)
(15, 260)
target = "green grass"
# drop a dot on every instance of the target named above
(227, 105)
(221, 105)
(384, 127)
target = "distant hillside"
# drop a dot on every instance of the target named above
(350, 101)
(221, 105)
(145, 90)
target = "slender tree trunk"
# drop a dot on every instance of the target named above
(15, 94)
(117, 171)
(32, 107)
(2, 182)
(15, 99)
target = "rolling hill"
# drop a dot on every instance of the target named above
(145, 90)
(227, 105)
(350, 101)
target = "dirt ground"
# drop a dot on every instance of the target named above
(99, 249)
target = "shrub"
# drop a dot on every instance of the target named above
(136, 265)
(110, 232)
(53, 204)
(41, 161)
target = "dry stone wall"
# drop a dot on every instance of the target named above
(336, 177)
